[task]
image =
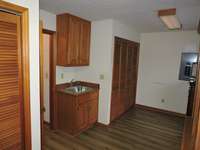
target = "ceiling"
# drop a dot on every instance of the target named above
(141, 14)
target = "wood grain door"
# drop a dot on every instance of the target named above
(84, 49)
(74, 40)
(62, 31)
(124, 76)
(115, 102)
(92, 111)
(82, 116)
(132, 67)
(11, 93)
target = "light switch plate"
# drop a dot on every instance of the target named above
(101, 77)
(62, 76)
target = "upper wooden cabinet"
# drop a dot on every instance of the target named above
(73, 34)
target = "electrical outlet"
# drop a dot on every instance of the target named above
(163, 100)
(62, 75)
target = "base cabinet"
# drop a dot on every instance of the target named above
(77, 112)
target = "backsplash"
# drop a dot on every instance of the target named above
(64, 74)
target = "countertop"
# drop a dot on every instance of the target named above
(62, 87)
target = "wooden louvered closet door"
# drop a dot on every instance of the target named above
(11, 95)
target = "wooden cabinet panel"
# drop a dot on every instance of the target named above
(87, 97)
(81, 116)
(124, 76)
(116, 67)
(123, 64)
(92, 111)
(65, 112)
(132, 95)
(73, 40)
(62, 39)
(84, 50)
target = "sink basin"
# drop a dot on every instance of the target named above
(78, 89)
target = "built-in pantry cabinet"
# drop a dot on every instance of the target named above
(125, 68)
(73, 34)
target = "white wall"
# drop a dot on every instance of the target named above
(63, 74)
(125, 31)
(100, 63)
(46, 65)
(48, 19)
(160, 56)
(33, 6)
(101, 60)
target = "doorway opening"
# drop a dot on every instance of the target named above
(48, 83)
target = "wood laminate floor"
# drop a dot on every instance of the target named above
(136, 130)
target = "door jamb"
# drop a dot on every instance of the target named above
(52, 79)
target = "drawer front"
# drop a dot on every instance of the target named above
(87, 97)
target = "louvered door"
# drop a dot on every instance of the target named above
(11, 101)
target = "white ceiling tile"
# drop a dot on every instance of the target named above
(141, 14)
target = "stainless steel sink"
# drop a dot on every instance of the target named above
(79, 89)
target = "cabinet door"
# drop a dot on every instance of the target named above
(92, 111)
(62, 39)
(81, 116)
(123, 76)
(84, 49)
(116, 66)
(116, 105)
(123, 64)
(132, 69)
(73, 41)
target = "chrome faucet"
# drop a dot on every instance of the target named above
(71, 82)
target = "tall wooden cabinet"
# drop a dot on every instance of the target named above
(125, 67)
(73, 34)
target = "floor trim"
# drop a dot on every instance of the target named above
(102, 125)
(160, 110)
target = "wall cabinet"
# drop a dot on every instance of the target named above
(73, 35)
(124, 82)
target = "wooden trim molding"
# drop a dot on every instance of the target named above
(159, 110)
(25, 65)
(167, 12)
(195, 138)
(46, 31)
(102, 125)
(52, 58)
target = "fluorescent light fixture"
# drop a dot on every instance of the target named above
(168, 16)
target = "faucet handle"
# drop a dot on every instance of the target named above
(72, 80)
